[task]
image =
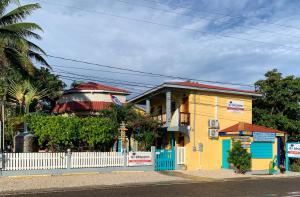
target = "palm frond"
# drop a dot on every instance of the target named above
(3, 5)
(34, 47)
(17, 92)
(16, 51)
(18, 14)
(23, 29)
(20, 60)
(39, 58)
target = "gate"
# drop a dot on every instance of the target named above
(165, 160)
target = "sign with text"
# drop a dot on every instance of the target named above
(245, 141)
(293, 150)
(140, 158)
(263, 137)
(235, 106)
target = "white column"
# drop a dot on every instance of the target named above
(168, 107)
(148, 106)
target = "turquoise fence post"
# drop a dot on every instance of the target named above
(172, 140)
(286, 157)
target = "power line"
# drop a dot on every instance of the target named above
(176, 27)
(143, 72)
(72, 78)
(182, 14)
(104, 81)
(226, 15)
(108, 71)
(146, 85)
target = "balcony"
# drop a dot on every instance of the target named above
(184, 118)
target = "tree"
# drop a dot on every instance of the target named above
(141, 127)
(278, 107)
(240, 158)
(25, 94)
(16, 49)
(50, 82)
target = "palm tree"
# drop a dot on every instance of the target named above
(25, 93)
(16, 50)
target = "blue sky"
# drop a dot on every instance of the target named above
(221, 40)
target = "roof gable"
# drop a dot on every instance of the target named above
(97, 86)
(242, 126)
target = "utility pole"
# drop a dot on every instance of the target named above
(2, 127)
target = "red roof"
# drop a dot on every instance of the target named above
(79, 106)
(97, 86)
(242, 126)
(199, 85)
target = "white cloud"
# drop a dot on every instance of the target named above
(84, 34)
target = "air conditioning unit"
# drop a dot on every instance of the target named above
(213, 124)
(213, 133)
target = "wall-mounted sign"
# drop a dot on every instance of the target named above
(245, 141)
(235, 106)
(140, 158)
(293, 150)
(263, 137)
(242, 139)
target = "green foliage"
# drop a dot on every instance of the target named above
(239, 158)
(97, 131)
(141, 127)
(294, 167)
(24, 94)
(279, 107)
(60, 133)
(17, 51)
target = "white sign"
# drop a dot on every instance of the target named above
(263, 137)
(140, 158)
(293, 150)
(235, 106)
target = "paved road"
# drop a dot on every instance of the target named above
(287, 187)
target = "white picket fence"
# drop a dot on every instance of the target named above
(97, 159)
(180, 155)
(48, 161)
(34, 161)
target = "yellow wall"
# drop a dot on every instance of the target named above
(204, 106)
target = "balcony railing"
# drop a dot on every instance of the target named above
(184, 118)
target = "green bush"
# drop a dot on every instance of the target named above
(239, 158)
(294, 167)
(60, 133)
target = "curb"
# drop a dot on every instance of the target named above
(29, 176)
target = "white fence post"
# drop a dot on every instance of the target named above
(69, 159)
(153, 154)
(125, 158)
(2, 162)
(180, 155)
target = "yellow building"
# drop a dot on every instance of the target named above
(205, 119)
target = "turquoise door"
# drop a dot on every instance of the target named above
(225, 153)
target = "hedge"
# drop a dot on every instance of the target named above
(60, 133)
